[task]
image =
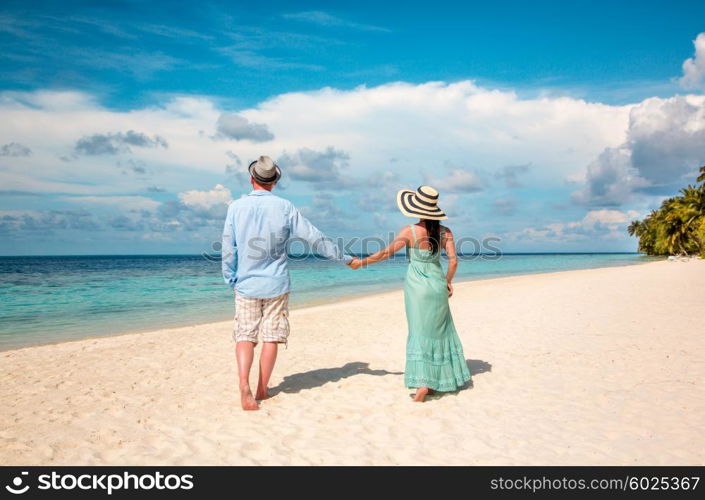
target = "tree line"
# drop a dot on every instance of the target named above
(677, 227)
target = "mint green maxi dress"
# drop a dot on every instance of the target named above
(434, 354)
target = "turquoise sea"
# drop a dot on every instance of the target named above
(50, 299)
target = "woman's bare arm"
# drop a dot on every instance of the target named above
(449, 247)
(402, 239)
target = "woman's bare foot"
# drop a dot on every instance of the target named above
(262, 394)
(247, 401)
(421, 393)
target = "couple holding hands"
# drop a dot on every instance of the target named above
(434, 354)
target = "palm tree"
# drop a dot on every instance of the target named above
(635, 228)
(679, 219)
(700, 236)
(694, 213)
(678, 226)
(695, 198)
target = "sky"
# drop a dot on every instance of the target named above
(127, 127)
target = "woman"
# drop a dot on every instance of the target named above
(434, 354)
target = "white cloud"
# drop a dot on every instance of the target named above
(206, 201)
(610, 179)
(694, 67)
(427, 125)
(423, 126)
(320, 167)
(194, 211)
(665, 146)
(607, 218)
(238, 127)
(328, 20)
(128, 202)
(14, 149)
(115, 143)
(45, 222)
(603, 224)
(667, 138)
(51, 123)
(48, 100)
(457, 181)
(454, 136)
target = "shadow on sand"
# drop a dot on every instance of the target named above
(477, 366)
(316, 378)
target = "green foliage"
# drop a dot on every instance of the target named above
(678, 226)
(700, 235)
(701, 177)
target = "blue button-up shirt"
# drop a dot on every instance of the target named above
(257, 231)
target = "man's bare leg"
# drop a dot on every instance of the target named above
(245, 353)
(266, 366)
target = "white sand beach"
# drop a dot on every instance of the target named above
(602, 366)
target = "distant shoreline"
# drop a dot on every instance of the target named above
(121, 255)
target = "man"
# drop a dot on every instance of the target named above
(257, 230)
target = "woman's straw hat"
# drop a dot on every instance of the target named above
(422, 203)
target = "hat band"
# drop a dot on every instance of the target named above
(258, 177)
(429, 196)
(420, 214)
(431, 211)
(424, 202)
(264, 179)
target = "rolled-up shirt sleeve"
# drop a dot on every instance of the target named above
(320, 245)
(229, 251)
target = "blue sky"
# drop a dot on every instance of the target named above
(131, 51)
(549, 124)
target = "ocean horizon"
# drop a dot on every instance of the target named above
(54, 298)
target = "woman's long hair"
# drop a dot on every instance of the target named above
(433, 228)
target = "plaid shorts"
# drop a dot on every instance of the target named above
(270, 316)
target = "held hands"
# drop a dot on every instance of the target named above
(355, 264)
(450, 288)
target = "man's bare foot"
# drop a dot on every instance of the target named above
(262, 394)
(421, 393)
(247, 401)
